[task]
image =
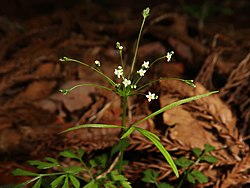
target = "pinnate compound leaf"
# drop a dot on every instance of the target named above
(38, 183)
(57, 181)
(75, 182)
(197, 151)
(69, 154)
(174, 104)
(91, 126)
(210, 159)
(162, 150)
(91, 184)
(21, 172)
(183, 162)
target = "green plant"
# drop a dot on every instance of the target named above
(150, 176)
(90, 173)
(190, 174)
(124, 86)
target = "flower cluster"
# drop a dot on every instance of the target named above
(143, 69)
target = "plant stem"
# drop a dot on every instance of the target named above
(137, 45)
(124, 115)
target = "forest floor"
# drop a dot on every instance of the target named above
(211, 42)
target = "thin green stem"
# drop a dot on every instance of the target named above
(66, 91)
(87, 169)
(124, 115)
(137, 46)
(109, 80)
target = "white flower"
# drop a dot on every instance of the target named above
(118, 72)
(141, 72)
(151, 96)
(145, 64)
(126, 82)
(169, 56)
(120, 47)
(97, 63)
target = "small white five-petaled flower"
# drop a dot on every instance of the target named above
(119, 72)
(169, 56)
(141, 72)
(145, 64)
(151, 96)
(126, 82)
(97, 63)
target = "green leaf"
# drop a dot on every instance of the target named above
(91, 126)
(183, 162)
(123, 143)
(21, 172)
(121, 164)
(150, 176)
(117, 177)
(41, 164)
(66, 182)
(164, 185)
(197, 151)
(57, 181)
(125, 184)
(80, 153)
(162, 150)
(27, 182)
(52, 160)
(148, 133)
(199, 176)
(208, 148)
(69, 154)
(109, 185)
(174, 104)
(75, 182)
(91, 184)
(101, 160)
(92, 163)
(73, 169)
(38, 183)
(210, 159)
(129, 131)
(190, 178)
